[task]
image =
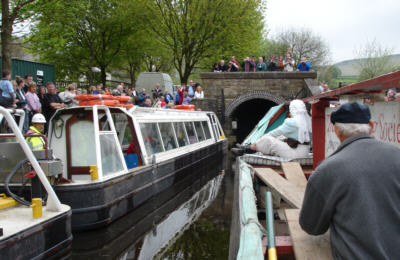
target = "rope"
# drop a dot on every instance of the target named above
(255, 221)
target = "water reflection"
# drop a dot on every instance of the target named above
(176, 223)
(157, 224)
(208, 237)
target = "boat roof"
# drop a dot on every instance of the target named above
(141, 111)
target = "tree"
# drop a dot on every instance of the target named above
(273, 47)
(329, 74)
(78, 35)
(197, 30)
(12, 12)
(373, 60)
(304, 43)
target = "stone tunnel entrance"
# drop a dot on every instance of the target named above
(245, 117)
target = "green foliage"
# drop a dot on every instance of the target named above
(139, 35)
(78, 35)
(13, 15)
(329, 75)
(273, 47)
(203, 240)
(197, 32)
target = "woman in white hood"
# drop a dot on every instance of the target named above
(290, 140)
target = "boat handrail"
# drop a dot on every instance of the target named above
(18, 112)
(53, 203)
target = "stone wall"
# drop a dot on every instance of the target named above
(224, 92)
(238, 87)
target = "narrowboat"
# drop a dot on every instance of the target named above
(141, 234)
(115, 158)
(268, 191)
(28, 229)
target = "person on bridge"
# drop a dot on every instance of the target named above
(304, 65)
(38, 122)
(356, 191)
(290, 140)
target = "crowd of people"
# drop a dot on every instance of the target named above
(23, 93)
(183, 95)
(274, 63)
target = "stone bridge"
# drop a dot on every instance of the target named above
(241, 99)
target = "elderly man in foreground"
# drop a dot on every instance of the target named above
(356, 191)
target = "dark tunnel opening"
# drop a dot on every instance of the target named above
(247, 115)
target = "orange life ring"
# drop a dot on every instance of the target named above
(93, 97)
(122, 99)
(185, 107)
(99, 102)
(125, 105)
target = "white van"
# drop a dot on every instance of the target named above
(148, 81)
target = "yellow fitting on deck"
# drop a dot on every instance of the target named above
(36, 207)
(272, 254)
(222, 137)
(6, 202)
(94, 173)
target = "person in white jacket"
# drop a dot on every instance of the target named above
(68, 96)
(290, 140)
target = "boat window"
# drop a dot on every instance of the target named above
(110, 160)
(190, 132)
(180, 134)
(151, 138)
(215, 127)
(121, 123)
(206, 129)
(104, 124)
(167, 134)
(199, 131)
(127, 139)
(82, 144)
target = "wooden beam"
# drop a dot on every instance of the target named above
(307, 246)
(294, 174)
(290, 193)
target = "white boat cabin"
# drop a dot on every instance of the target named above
(117, 140)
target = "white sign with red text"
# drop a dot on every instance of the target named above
(385, 117)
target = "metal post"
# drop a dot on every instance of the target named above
(270, 226)
(53, 203)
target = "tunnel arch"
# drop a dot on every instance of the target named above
(247, 109)
(255, 94)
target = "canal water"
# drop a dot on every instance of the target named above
(194, 224)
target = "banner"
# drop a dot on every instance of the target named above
(385, 117)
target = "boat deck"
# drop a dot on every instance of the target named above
(19, 218)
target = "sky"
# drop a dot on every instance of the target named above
(344, 24)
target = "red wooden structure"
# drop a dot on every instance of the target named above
(321, 101)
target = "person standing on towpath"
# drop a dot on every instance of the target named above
(355, 192)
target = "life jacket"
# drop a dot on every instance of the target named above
(36, 141)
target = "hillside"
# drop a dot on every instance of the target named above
(349, 67)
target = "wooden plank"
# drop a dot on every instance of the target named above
(294, 174)
(307, 246)
(290, 193)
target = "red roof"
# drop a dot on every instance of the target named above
(374, 85)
